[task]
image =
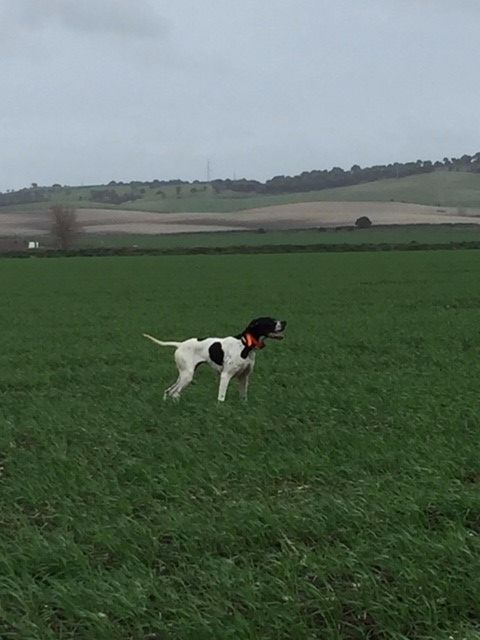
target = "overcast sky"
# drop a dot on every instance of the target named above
(94, 90)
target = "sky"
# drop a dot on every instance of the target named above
(100, 90)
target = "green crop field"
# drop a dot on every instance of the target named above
(341, 503)
(427, 234)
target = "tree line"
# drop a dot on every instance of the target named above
(306, 181)
(337, 177)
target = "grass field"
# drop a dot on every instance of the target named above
(432, 234)
(341, 503)
(443, 188)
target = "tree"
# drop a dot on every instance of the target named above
(363, 222)
(65, 227)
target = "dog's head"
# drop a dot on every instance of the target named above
(262, 328)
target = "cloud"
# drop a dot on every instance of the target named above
(124, 18)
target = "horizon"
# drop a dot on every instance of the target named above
(119, 182)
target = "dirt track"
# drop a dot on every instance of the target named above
(290, 216)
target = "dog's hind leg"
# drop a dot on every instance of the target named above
(186, 369)
(184, 379)
(169, 389)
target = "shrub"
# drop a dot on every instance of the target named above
(363, 222)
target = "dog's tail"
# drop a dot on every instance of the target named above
(162, 344)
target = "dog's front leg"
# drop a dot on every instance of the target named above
(225, 378)
(243, 384)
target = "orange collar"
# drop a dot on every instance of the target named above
(252, 342)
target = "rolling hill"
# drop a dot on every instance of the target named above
(440, 189)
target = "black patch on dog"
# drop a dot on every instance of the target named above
(245, 351)
(216, 354)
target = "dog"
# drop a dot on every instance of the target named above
(231, 357)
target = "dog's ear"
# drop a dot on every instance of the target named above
(264, 320)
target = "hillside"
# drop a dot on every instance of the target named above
(440, 189)
(444, 189)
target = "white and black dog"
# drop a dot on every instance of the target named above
(232, 357)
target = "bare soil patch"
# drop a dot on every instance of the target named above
(303, 215)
